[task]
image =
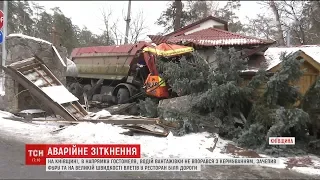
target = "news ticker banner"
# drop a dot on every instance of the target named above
(147, 164)
(119, 157)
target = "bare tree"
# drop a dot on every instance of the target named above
(275, 11)
(293, 11)
(115, 32)
(106, 15)
(262, 27)
(137, 27)
(201, 9)
(297, 18)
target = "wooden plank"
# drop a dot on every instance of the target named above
(22, 63)
(49, 73)
(77, 109)
(137, 128)
(29, 67)
(41, 75)
(106, 121)
(123, 121)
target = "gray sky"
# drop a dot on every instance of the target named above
(88, 13)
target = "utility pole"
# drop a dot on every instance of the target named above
(5, 31)
(128, 23)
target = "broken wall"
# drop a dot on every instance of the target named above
(20, 47)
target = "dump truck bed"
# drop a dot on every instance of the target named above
(105, 62)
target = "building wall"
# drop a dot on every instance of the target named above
(304, 83)
(207, 24)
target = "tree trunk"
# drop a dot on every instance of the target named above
(277, 16)
(177, 19)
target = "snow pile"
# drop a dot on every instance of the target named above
(189, 146)
(26, 131)
(100, 114)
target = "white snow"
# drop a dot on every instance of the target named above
(71, 69)
(58, 55)
(42, 41)
(100, 114)
(29, 37)
(59, 94)
(250, 70)
(272, 55)
(188, 146)
(32, 111)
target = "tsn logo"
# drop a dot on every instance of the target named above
(35, 155)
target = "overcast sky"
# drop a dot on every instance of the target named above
(88, 13)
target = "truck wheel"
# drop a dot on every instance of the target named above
(123, 96)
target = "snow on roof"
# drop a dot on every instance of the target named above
(59, 57)
(42, 41)
(59, 94)
(29, 37)
(272, 55)
(71, 68)
(217, 37)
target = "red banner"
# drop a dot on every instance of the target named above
(36, 154)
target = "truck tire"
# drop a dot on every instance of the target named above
(123, 96)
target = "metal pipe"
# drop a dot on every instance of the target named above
(4, 34)
(128, 23)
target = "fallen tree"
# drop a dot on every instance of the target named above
(220, 97)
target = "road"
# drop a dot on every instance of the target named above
(12, 167)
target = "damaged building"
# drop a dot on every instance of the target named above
(20, 47)
(208, 33)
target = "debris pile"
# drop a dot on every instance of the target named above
(34, 75)
(20, 47)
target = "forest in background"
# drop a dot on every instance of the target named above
(298, 19)
(31, 19)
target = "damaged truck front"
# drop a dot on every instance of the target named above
(115, 74)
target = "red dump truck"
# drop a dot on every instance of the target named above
(118, 73)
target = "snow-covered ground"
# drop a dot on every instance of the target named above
(188, 146)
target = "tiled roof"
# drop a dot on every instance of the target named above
(197, 23)
(158, 39)
(115, 49)
(217, 37)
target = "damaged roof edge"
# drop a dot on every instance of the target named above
(42, 41)
(29, 37)
(58, 55)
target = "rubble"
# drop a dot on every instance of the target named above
(40, 82)
(21, 47)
